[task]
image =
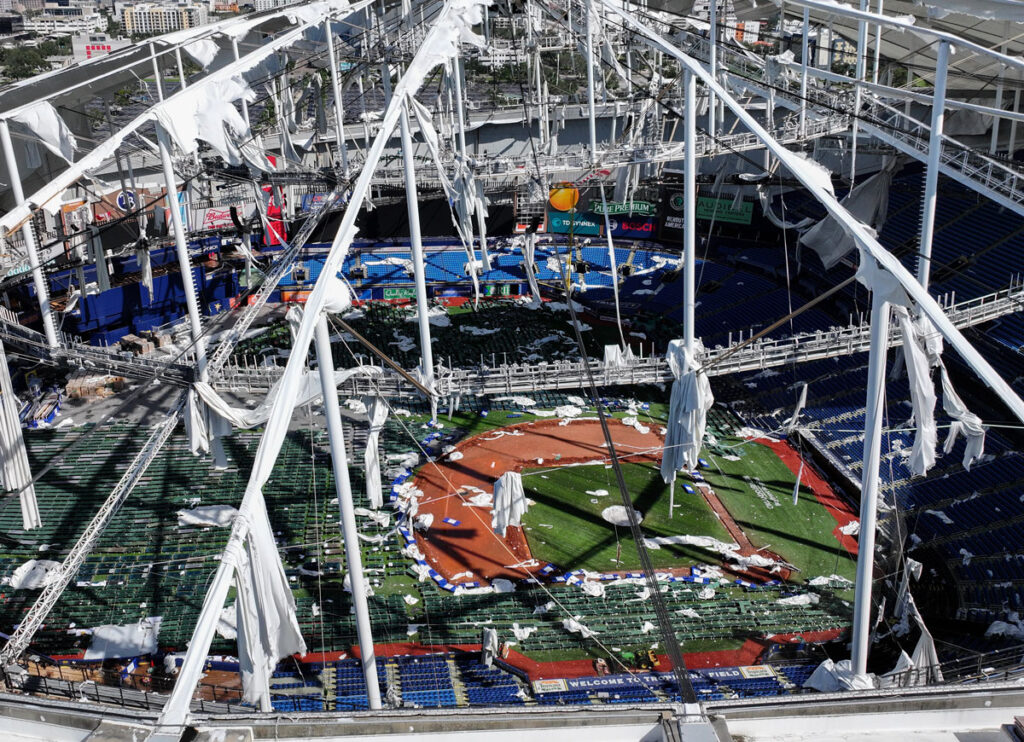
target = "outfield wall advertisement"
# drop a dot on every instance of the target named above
(718, 209)
(645, 679)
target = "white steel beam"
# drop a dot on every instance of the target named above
(869, 489)
(349, 532)
(931, 175)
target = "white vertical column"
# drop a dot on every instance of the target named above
(181, 68)
(803, 70)
(878, 45)
(994, 146)
(931, 175)
(869, 481)
(416, 242)
(38, 280)
(343, 488)
(713, 66)
(156, 73)
(181, 246)
(689, 205)
(339, 110)
(1013, 124)
(592, 113)
(862, 40)
(460, 108)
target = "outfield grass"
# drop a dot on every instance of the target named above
(801, 534)
(565, 526)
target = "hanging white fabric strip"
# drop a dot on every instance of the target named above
(964, 421)
(43, 121)
(145, 261)
(268, 628)
(922, 395)
(868, 203)
(764, 195)
(14, 464)
(529, 260)
(509, 502)
(99, 259)
(688, 408)
(196, 429)
(208, 113)
(377, 413)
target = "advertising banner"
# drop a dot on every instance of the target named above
(625, 681)
(577, 223)
(632, 208)
(721, 210)
(643, 227)
(400, 292)
(311, 201)
(718, 209)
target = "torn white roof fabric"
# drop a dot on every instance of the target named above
(377, 412)
(33, 574)
(220, 516)
(509, 502)
(43, 121)
(832, 677)
(118, 642)
(964, 421)
(688, 408)
(203, 51)
(308, 390)
(268, 628)
(868, 203)
(922, 394)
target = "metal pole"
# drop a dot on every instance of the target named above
(689, 205)
(862, 40)
(931, 175)
(156, 73)
(869, 482)
(427, 356)
(38, 280)
(339, 110)
(1013, 124)
(181, 68)
(459, 107)
(343, 487)
(878, 45)
(181, 245)
(803, 70)
(713, 63)
(994, 146)
(592, 113)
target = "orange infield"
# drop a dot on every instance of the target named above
(471, 545)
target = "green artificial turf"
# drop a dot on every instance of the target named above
(565, 526)
(801, 534)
